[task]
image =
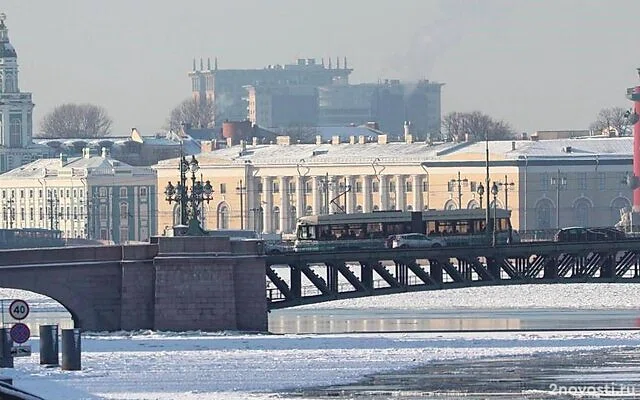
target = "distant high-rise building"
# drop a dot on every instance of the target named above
(16, 110)
(227, 87)
(283, 105)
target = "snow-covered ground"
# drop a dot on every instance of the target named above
(198, 366)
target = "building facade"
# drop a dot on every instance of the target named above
(546, 184)
(226, 87)
(283, 105)
(16, 111)
(91, 197)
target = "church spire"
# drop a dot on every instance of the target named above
(6, 49)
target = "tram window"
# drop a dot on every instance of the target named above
(374, 230)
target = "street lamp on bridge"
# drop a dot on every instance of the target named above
(459, 181)
(190, 199)
(494, 192)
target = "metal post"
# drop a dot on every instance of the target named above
(49, 345)
(493, 241)
(506, 193)
(241, 189)
(6, 343)
(71, 350)
(486, 139)
(558, 200)
(327, 208)
(459, 192)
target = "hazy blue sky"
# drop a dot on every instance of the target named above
(534, 63)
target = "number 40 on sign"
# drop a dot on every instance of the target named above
(19, 309)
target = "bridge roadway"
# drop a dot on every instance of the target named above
(313, 277)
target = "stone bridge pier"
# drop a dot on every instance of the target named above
(173, 283)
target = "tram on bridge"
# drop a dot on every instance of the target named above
(370, 230)
(26, 238)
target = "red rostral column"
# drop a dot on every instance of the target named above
(633, 94)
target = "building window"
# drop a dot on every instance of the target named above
(543, 214)
(408, 186)
(103, 211)
(22, 194)
(123, 192)
(276, 187)
(602, 181)
(260, 187)
(375, 186)
(473, 187)
(75, 212)
(425, 186)
(451, 186)
(41, 214)
(32, 215)
(124, 234)
(292, 220)
(582, 212)
(308, 186)
(68, 193)
(392, 186)
(582, 181)
(292, 187)
(31, 193)
(68, 212)
(103, 192)
(124, 210)
(309, 211)
(275, 220)
(40, 193)
(545, 181)
(4, 194)
(358, 208)
(75, 193)
(143, 192)
(358, 187)
(22, 216)
(223, 216)
(223, 188)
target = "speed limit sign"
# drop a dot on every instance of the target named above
(19, 309)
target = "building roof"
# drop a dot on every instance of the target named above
(413, 153)
(92, 165)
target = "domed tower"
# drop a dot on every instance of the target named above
(16, 108)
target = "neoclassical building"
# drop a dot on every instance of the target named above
(90, 197)
(546, 184)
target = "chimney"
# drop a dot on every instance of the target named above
(63, 159)
(254, 141)
(86, 152)
(513, 146)
(382, 139)
(362, 139)
(335, 139)
(206, 146)
(229, 142)
(407, 128)
(352, 139)
(104, 152)
(408, 138)
(318, 139)
(283, 140)
(243, 145)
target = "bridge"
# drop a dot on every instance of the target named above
(306, 278)
(206, 283)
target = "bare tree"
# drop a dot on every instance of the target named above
(192, 111)
(614, 117)
(76, 121)
(457, 125)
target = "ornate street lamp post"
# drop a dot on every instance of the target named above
(190, 199)
(494, 192)
(480, 191)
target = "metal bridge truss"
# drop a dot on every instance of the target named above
(313, 277)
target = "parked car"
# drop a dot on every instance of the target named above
(582, 234)
(415, 240)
